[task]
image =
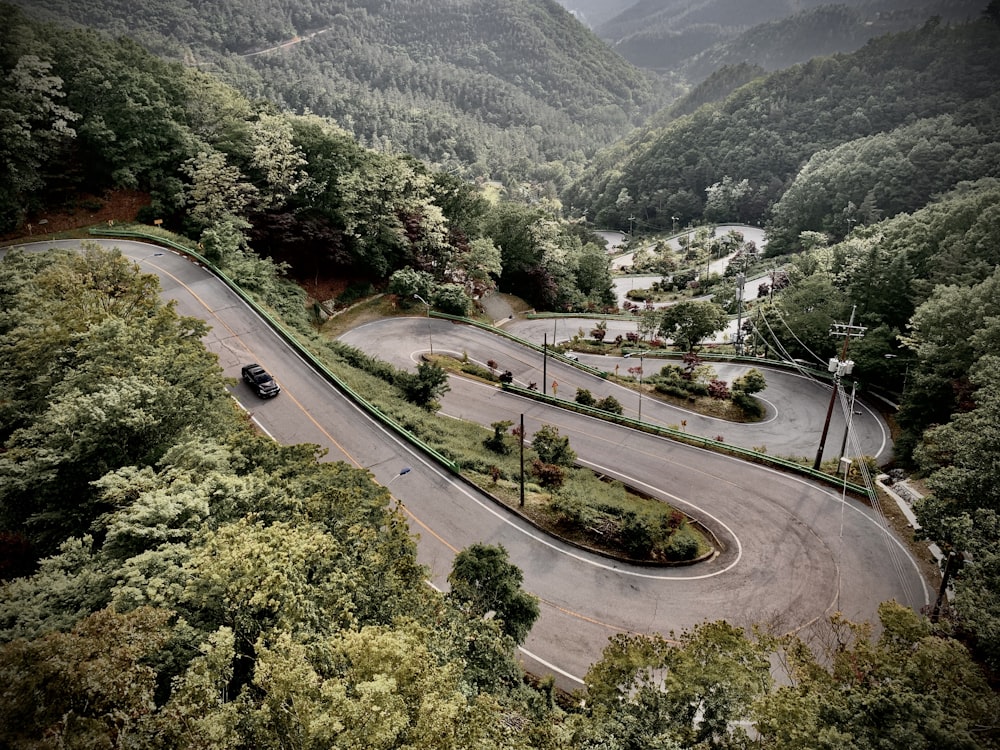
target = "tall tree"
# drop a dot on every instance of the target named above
(688, 322)
(647, 691)
(909, 688)
(484, 583)
(34, 125)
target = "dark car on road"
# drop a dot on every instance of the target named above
(257, 378)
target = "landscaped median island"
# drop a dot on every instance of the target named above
(574, 503)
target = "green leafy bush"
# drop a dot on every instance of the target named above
(682, 546)
(610, 404)
(636, 535)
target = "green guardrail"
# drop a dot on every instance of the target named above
(289, 337)
(523, 342)
(709, 356)
(687, 438)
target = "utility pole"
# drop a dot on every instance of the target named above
(630, 235)
(741, 279)
(839, 367)
(521, 441)
(545, 361)
(850, 420)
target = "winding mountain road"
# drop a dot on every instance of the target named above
(793, 552)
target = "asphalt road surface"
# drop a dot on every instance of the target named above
(792, 552)
(796, 404)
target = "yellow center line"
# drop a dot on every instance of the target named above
(579, 616)
(236, 336)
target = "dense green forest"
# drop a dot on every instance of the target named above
(137, 524)
(515, 90)
(735, 160)
(227, 172)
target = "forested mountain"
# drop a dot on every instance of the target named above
(696, 38)
(492, 89)
(736, 159)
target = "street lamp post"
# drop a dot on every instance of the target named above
(402, 473)
(640, 355)
(430, 339)
(906, 372)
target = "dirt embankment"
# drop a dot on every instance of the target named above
(86, 210)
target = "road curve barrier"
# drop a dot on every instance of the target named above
(289, 337)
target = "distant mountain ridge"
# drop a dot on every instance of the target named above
(593, 13)
(696, 38)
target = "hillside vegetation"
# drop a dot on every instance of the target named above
(734, 160)
(516, 88)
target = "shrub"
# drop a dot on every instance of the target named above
(610, 404)
(572, 509)
(671, 390)
(451, 299)
(584, 397)
(636, 536)
(497, 442)
(718, 389)
(752, 381)
(748, 404)
(548, 475)
(695, 388)
(471, 368)
(682, 546)
(407, 282)
(424, 387)
(551, 447)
